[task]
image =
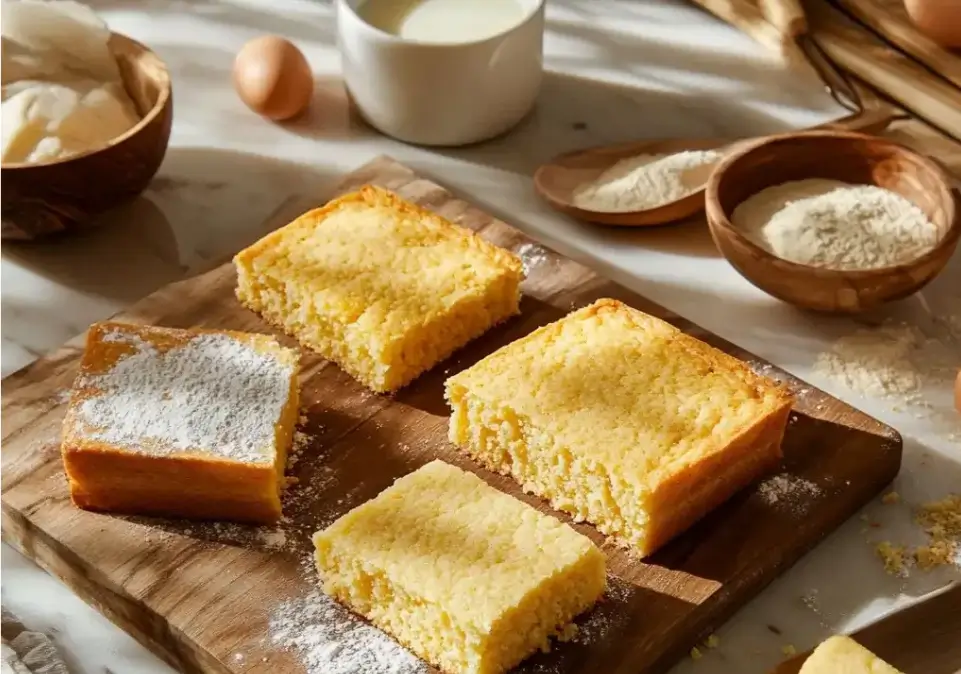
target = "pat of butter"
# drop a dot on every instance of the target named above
(45, 121)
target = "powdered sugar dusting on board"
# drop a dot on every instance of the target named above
(532, 255)
(187, 398)
(331, 640)
(789, 492)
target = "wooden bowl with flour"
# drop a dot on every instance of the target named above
(840, 249)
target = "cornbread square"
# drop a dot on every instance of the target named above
(382, 287)
(843, 655)
(184, 423)
(620, 419)
(470, 579)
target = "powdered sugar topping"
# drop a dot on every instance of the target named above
(213, 394)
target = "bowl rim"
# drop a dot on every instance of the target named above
(718, 218)
(148, 118)
(347, 6)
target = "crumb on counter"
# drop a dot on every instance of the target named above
(891, 498)
(788, 649)
(893, 557)
(713, 641)
(696, 653)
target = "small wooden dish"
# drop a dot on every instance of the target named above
(43, 199)
(557, 180)
(849, 157)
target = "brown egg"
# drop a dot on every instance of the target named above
(273, 78)
(940, 20)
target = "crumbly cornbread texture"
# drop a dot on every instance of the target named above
(470, 579)
(184, 423)
(620, 419)
(384, 288)
(843, 655)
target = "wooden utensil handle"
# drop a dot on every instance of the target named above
(873, 120)
(785, 15)
(746, 17)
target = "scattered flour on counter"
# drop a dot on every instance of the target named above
(902, 363)
(331, 640)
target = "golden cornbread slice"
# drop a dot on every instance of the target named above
(470, 579)
(183, 423)
(382, 287)
(843, 655)
(620, 419)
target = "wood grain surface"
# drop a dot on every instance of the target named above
(202, 596)
(746, 16)
(920, 639)
(890, 20)
(896, 75)
(49, 198)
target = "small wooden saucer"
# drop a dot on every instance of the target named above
(557, 180)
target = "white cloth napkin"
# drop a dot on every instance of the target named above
(26, 652)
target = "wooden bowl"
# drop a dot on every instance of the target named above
(849, 157)
(43, 199)
(556, 181)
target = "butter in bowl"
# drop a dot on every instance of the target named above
(86, 117)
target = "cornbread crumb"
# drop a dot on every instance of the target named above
(843, 654)
(568, 633)
(789, 649)
(893, 557)
(713, 641)
(620, 419)
(939, 553)
(891, 498)
(467, 577)
(941, 521)
(382, 287)
(696, 653)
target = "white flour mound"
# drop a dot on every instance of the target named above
(646, 181)
(827, 223)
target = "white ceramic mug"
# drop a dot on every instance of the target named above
(442, 94)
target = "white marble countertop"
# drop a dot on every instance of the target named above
(620, 70)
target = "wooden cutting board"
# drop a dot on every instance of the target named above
(201, 596)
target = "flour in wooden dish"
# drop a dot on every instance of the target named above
(647, 181)
(212, 395)
(835, 225)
